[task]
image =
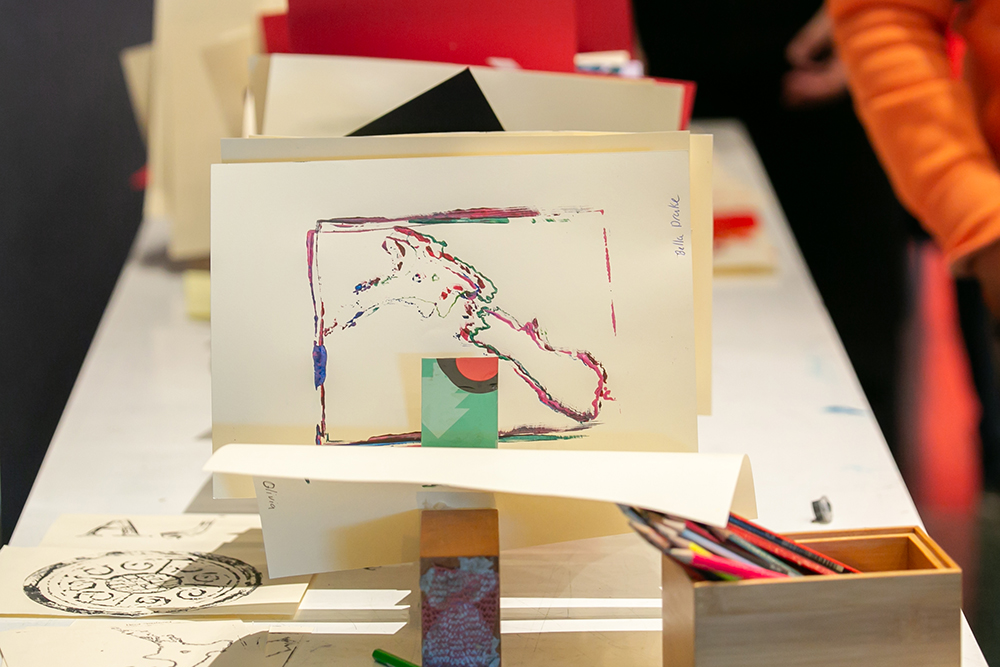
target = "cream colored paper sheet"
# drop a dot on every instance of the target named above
(324, 96)
(260, 69)
(702, 224)
(197, 285)
(72, 582)
(359, 505)
(700, 487)
(636, 318)
(300, 149)
(226, 61)
(380, 526)
(100, 643)
(157, 202)
(137, 66)
(186, 105)
(525, 100)
(303, 149)
(198, 532)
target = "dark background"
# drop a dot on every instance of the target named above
(68, 144)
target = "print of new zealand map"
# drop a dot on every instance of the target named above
(531, 288)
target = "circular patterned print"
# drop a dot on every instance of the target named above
(140, 583)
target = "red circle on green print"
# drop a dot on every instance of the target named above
(477, 369)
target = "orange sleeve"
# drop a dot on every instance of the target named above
(922, 122)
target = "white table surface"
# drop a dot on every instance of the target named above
(136, 430)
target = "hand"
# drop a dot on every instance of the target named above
(985, 265)
(817, 74)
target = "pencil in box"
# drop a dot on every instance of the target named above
(685, 529)
(806, 565)
(714, 563)
(700, 533)
(661, 543)
(773, 562)
(795, 547)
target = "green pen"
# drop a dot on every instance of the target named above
(390, 660)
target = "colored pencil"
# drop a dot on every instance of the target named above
(651, 536)
(388, 659)
(714, 547)
(699, 535)
(740, 551)
(677, 539)
(682, 543)
(672, 535)
(677, 524)
(767, 560)
(678, 533)
(791, 557)
(743, 543)
(700, 530)
(723, 565)
(643, 523)
(633, 514)
(791, 545)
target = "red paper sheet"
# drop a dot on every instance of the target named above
(734, 225)
(603, 25)
(274, 27)
(536, 35)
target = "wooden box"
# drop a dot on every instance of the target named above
(902, 610)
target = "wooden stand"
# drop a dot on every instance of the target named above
(460, 587)
(902, 611)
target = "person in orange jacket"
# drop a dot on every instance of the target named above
(937, 136)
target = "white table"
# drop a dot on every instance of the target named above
(136, 430)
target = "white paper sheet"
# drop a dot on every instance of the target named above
(359, 505)
(605, 269)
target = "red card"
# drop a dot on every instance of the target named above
(603, 25)
(275, 30)
(735, 225)
(536, 35)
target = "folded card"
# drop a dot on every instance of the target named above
(332, 508)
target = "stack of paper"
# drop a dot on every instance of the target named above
(133, 567)
(188, 90)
